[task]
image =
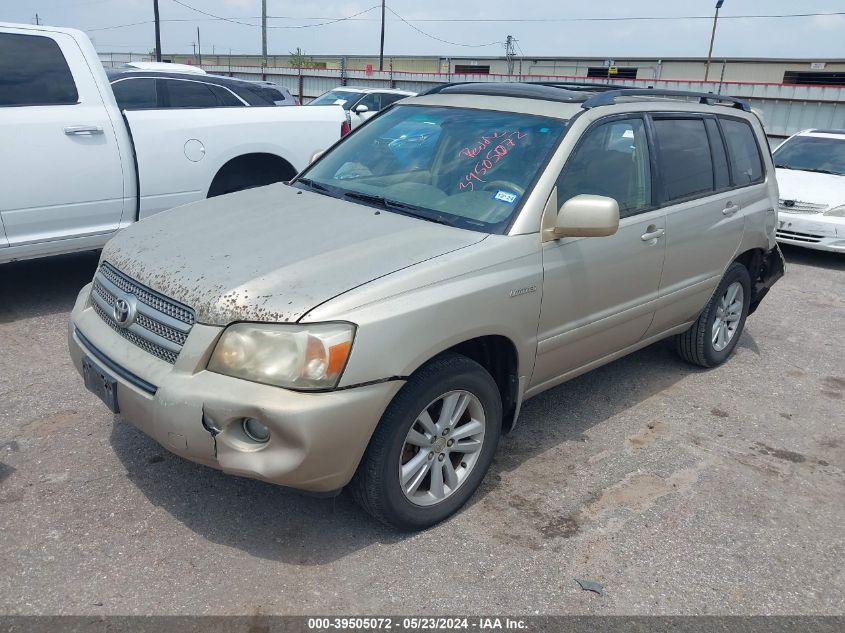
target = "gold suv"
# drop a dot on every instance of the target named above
(378, 322)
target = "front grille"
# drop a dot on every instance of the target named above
(159, 325)
(795, 236)
(797, 206)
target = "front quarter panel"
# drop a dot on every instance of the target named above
(404, 319)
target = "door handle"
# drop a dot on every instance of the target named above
(652, 233)
(83, 130)
(730, 209)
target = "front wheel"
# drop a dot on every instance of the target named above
(433, 445)
(715, 334)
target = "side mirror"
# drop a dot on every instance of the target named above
(587, 216)
(316, 155)
(360, 109)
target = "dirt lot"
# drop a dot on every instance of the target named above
(679, 490)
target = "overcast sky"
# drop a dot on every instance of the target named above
(805, 37)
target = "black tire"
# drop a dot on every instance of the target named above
(376, 487)
(696, 345)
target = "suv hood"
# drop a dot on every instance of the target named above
(274, 253)
(808, 186)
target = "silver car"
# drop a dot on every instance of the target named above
(378, 322)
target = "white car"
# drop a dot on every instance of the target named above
(75, 167)
(361, 103)
(811, 176)
(166, 67)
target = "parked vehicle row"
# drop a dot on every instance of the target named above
(77, 167)
(379, 324)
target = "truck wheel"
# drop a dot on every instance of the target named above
(713, 337)
(433, 445)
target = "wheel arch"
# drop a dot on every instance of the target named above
(256, 162)
(499, 356)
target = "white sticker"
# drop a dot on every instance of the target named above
(505, 196)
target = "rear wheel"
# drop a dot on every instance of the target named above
(715, 334)
(433, 445)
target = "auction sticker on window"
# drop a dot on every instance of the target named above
(505, 196)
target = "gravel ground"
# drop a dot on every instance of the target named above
(681, 491)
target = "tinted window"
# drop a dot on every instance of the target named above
(746, 166)
(812, 153)
(720, 158)
(225, 97)
(684, 155)
(33, 71)
(612, 160)
(190, 94)
(135, 94)
(387, 99)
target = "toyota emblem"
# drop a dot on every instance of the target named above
(124, 311)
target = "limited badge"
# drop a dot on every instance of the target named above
(505, 196)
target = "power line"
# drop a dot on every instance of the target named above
(296, 26)
(429, 35)
(355, 18)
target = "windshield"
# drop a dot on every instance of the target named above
(463, 167)
(812, 153)
(343, 98)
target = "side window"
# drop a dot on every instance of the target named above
(33, 71)
(388, 98)
(372, 101)
(611, 160)
(190, 94)
(746, 166)
(684, 156)
(136, 94)
(224, 97)
(720, 158)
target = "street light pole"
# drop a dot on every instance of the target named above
(381, 50)
(712, 39)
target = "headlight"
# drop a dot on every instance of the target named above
(838, 212)
(305, 357)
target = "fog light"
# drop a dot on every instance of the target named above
(255, 431)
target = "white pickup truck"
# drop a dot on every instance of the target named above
(74, 168)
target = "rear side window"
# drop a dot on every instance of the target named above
(224, 96)
(190, 94)
(136, 94)
(746, 166)
(33, 71)
(684, 155)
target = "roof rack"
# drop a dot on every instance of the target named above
(705, 98)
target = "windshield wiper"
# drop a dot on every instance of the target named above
(316, 186)
(810, 169)
(395, 205)
(823, 171)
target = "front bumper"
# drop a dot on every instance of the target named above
(316, 441)
(820, 232)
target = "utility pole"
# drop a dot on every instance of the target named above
(37, 20)
(712, 39)
(263, 37)
(510, 53)
(158, 31)
(381, 49)
(199, 47)
(194, 46)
